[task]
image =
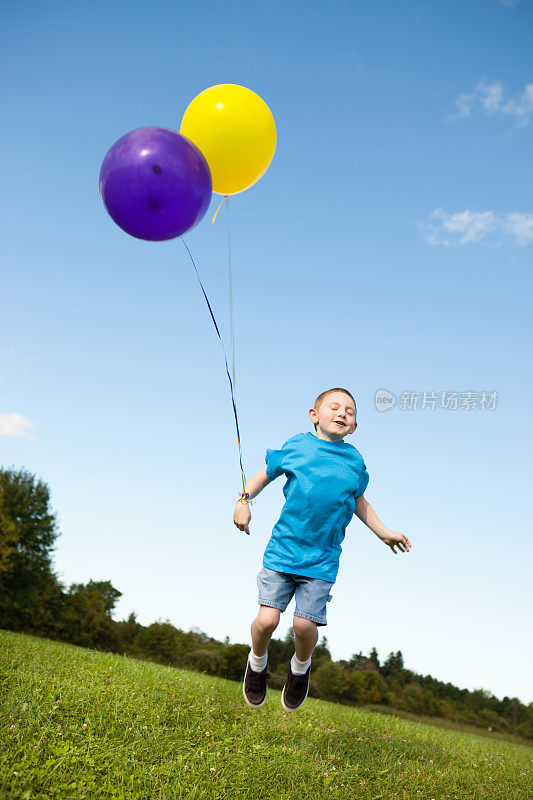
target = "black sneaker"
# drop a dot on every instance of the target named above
(254, 686)
(295, 690)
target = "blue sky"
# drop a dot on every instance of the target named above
(388, 246)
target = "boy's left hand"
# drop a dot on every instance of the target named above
(397, 540)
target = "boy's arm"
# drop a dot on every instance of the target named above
(366, 514)
(257, 483)
(242, 513)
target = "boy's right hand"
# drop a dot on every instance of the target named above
(242, 516)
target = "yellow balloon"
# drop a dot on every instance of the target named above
(235, 130)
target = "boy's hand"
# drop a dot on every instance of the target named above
(396, 540)
(242, 516)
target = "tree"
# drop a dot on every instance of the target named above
(107, 592)
(127, 631)
(280, 652)
(374, 657)
(85, 617)
(206, 660)
(234, 661)
(164, 643)
(30, 593)
(365, 686)
(8, 537)
(359, 661)
(393, 664)
(418, 700)
(322, 649)
(329, 681)
(526, 727)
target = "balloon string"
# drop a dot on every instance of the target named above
(227, 368)
(230, 283)
(218, 209)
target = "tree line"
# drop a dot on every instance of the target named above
(33, 600)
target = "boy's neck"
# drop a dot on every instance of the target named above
(326, 438)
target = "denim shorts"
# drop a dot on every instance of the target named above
(277, 588)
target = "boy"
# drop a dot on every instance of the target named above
(326, 480)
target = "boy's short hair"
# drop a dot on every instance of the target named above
(323, 395)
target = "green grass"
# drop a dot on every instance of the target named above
(76, 723)
(450, 724)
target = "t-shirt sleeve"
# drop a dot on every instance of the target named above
(363, 483)
(274, 462)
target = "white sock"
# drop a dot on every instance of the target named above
(299, 667)
(257, 663)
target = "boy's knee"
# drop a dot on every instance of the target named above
(268, 618)
(303, 626)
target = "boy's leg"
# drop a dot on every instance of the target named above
(297, 683)
(255, 685)
(305, 637)
(263, 627)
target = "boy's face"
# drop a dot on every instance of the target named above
(335, 417)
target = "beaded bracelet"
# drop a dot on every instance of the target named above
(244, 497)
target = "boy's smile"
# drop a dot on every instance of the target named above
(335, 417)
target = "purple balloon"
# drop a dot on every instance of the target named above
(155, 183)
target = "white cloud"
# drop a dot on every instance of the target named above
(522, 108)
(520, 226)
(489, 97)
(463, 227)
(16, 426)
(509, 3)
(470, 227)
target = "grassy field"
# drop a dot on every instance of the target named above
(76, 723)
(452, 725)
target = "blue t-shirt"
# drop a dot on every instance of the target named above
(323, 480)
